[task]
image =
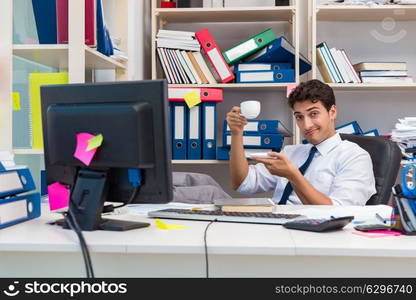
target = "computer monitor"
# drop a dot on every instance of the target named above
(133, 118)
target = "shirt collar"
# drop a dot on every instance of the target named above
(329, 144)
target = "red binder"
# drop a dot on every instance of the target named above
(206, 94)
(214, 54)
(62, 22)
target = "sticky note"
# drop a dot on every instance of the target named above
(58, 195)
(162, 225)
(192, 98)
(95, 142)
(372, 234)
(290, 88)
(16, 101)
(81, 152)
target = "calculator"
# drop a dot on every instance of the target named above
(319, 225)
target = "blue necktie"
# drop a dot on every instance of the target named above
(288, 189)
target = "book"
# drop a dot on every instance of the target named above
(388, 73)
(386, 79)
(204, 67)
(378, 66)
(323, 67)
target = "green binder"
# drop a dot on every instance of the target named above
(249, 46)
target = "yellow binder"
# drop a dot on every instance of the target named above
(36, 80)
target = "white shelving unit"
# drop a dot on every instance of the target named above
(161, 17)
(74, 57)
(351, 13)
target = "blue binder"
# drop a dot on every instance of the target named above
(194, 132)
(209, 135)
(18, 209)
(45, 17)
(261, 127)
(349, 128)
(273, 141)
(104, 44)
(179, 132)
(15, 182)
(274, 76)
(373, 132)
(261, 66)
(280, 50)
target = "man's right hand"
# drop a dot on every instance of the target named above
(236, 121)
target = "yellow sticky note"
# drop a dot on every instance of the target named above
(192, 99)
(95, 142)
(163, 225)
(16, 101)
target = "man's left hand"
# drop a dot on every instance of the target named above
(279, 165)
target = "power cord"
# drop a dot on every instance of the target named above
(73, 224)
(206, 248)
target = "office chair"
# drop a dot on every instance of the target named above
(386, 157)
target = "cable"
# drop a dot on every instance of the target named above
(133, 195)
(206, 248)
(73, 224)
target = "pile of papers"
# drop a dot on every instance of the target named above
(405, 135)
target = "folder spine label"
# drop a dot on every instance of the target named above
(13, 211)
(241, 49)
(221, 68)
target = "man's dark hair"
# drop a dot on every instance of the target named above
(313, 90)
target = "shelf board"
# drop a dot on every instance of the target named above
(365, 13)
(240, 14)
(198, 161)
(56, 56)
(28, 151)
(235, 85)
(372, 86)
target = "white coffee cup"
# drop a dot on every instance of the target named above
(250, 109)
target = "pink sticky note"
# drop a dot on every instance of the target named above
(290, 88)
(390, 232)
(371, 234)
(58, 195)
(81, 151)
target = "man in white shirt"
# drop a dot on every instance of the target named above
(328, 171)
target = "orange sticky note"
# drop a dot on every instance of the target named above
(290, 88)
(81, 152)
(58, 195)
(192, 98)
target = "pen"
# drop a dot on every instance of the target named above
(380, 218)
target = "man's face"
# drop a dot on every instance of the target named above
(314, 121)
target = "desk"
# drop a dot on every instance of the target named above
(36, 249)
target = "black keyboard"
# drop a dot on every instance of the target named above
(224, 216)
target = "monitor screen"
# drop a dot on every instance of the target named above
(133, 118)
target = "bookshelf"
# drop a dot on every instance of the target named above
(355, 13)
(183, 18)
(74, 57)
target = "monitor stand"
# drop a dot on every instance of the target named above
(87, 202)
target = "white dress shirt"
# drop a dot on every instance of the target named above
(340, 169)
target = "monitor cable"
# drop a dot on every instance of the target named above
(206, 248)
(73, 224)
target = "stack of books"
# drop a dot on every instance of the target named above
(335, 65)
(259, 136)
(263, 58)
(181, 59)
(383, 72)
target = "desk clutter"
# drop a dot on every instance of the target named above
(18, 200)
(404, 133)
(262, 58)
